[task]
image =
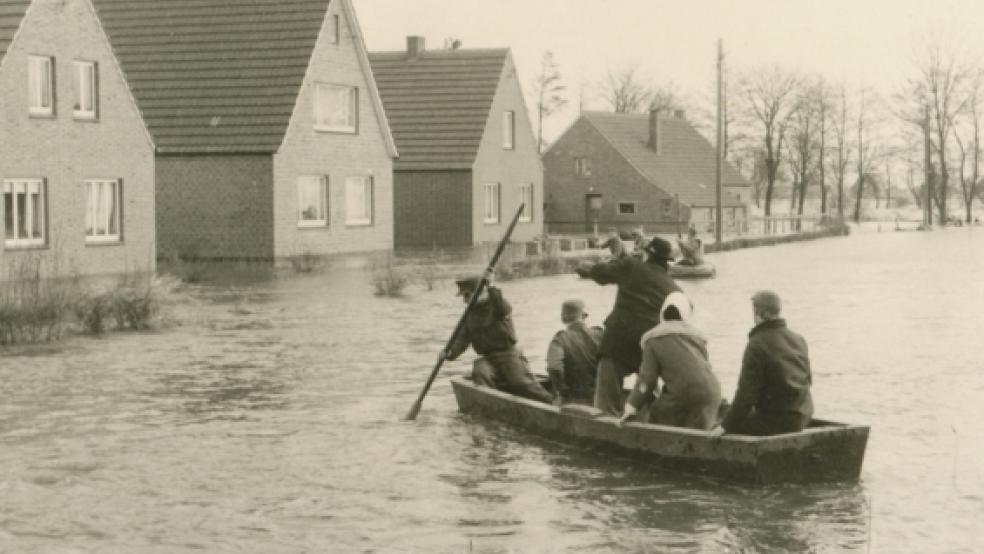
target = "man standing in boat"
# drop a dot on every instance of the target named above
(773, 393)
(488, 329)
(643, 285)
(572, 357)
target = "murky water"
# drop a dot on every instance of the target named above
(270, 421)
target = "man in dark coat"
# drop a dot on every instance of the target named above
(572, 357)
(643, 285)
(773, 393)
(489, 330)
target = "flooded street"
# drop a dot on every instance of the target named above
(270, 421)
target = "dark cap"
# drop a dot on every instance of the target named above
(467, 284)
(573, 307)
(767, 301)
(659, 249)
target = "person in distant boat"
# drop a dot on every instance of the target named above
(691, 249)
(614, 244)
(773, 393)
(488, 329)
(676, 353)
(643, 285)
(572, 357)
(638, 241)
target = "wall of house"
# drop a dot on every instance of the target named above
(611, 176)
(306, 151)
(509, 168)
(65, 151)
(432, 208)
(215, 206)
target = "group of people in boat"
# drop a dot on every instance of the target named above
(650, 332)
(691, 248)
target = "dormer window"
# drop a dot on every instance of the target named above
(86, 90)
(40, 92)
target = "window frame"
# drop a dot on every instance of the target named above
(93, 90)
(666, 207)
(621, 203)
(368, 201)
(509, 130)
(495, 189)
(336, 28)
(324, 182)
(35, 91)
(526, 198)
(582, 166)
(353, 105)
(19, 242)
(90, 212)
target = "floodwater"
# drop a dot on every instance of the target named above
(270, 421)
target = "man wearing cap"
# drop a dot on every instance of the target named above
(643, 285)
(773, 393)
(489, 330)
(572, 357)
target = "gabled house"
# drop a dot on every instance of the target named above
(76, 161)
(629, 170)
(468, 155)
(271, 140)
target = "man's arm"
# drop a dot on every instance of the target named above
(459, 345)
(500, 307)
(749, 385)
(604, 273)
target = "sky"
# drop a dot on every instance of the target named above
(870, 43)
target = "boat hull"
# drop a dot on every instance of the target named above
(824, 452)
(702, 271)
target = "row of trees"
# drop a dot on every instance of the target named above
(809, 137)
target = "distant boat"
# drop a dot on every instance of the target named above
(702, 271)
(824, 452)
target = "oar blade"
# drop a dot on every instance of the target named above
(414, 410)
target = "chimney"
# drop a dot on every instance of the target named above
(654, 130)
(680, 114)
(415, 46)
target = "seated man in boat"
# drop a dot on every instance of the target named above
(572, 357)
(643, 285)
(639, 241)
(488, 329)
(614, 244)
(691, 249)
(676, 353)
(773, 393)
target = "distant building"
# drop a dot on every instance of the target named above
(629, 170)
(76, 161)
(468, 155)
(271, 139)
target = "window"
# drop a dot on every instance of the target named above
(667, 206)
(312, 201)
(102, 211)
(526, 197)
(333, 28)
(86, 90)
(582, 166)
(626, 208)
(491, 203)
(23, 212)
(509, 130)
(336, 108)
(358, 201)
(40, 92)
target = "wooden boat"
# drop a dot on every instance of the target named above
(702, 271)
(824, 452)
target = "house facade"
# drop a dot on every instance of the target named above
(468, 155)
(271, 138)
(628, 170)
(76, 161)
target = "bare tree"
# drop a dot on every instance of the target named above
(868, 151)
(968, 186)
(624, 91)
(838, 124)
(770, 96)
(823, 105)
(549, 92)
(804, 127)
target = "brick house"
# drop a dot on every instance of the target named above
(76, 161)
(270, 136)
(631, 170)
(468, 154)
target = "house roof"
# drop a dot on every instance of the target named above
(214, 75)
(438, 103)
(685, 165)
(11, 14)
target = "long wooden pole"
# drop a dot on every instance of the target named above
(415, 409)
(719, 163)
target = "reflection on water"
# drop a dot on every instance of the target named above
(270, 421)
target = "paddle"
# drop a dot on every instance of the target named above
(415, 409)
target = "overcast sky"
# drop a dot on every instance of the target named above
(863, 42)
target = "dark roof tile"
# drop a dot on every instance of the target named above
(11, 14)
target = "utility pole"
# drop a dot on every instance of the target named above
(928, 219)
(719, 166)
